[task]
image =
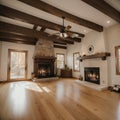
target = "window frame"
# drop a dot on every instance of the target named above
(76, 53)
(117, 59)
(63, 62)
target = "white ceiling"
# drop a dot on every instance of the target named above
(75, 7)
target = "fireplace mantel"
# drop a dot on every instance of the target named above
(44, 57)
(102, 55)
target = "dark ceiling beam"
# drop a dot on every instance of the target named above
(105, 8)
(43, 29)
(58, 46)
(17, 41)
(61, 43)
(57, 12)
(15, 14)
(5, 27)
(16, 37)
(75, 39)
(35, 27)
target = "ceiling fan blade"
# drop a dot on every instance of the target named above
(69, 33)
(54, 34)
(72, 35)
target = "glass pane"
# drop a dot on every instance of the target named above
(17, 65)
(76, 61)
(60, 61)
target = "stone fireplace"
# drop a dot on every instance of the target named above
(92, 74)
(44, 59)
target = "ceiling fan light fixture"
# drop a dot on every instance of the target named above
(63, 35)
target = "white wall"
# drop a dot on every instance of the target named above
(4, 46)
(77, 47)
(102, 42)
(0, 57)
(97, 40)
(63, 51)
(4, 57)
(112, 37)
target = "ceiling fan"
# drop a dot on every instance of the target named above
(64, 31)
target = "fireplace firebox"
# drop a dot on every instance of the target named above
(92, 74)
(44, 67)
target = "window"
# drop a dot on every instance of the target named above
(60, 60)
(117, 55)
(76, 62)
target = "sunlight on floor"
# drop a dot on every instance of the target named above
(31, 86)
(118, 113)
(66, 90)
(60, 92)
(46, 89)
(18, 99)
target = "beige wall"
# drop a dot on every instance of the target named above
(4, 57)
(112, 37)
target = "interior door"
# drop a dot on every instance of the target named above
(17, 65)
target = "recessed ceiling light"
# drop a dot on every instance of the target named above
(108, 21)
(84, 31)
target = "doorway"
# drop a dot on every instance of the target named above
(17, 65)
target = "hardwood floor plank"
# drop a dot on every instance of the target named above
(56, 100)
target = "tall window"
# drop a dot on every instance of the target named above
(76, 62)
(117, 55)
(60, 60)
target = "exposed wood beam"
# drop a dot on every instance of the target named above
(58, 46)
(61, 43)
(57, 12)
(69, 38)
(5, 27)
(76, 39)
(42, 29)
(17, 41)
(15, 14)
(35, 27)
(105, 8)
(16, 37)
(23, 39)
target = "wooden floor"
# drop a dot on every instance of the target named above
(58, 100)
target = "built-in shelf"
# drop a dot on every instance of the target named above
(102, 55)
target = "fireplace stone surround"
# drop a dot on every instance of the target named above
(44, 59)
